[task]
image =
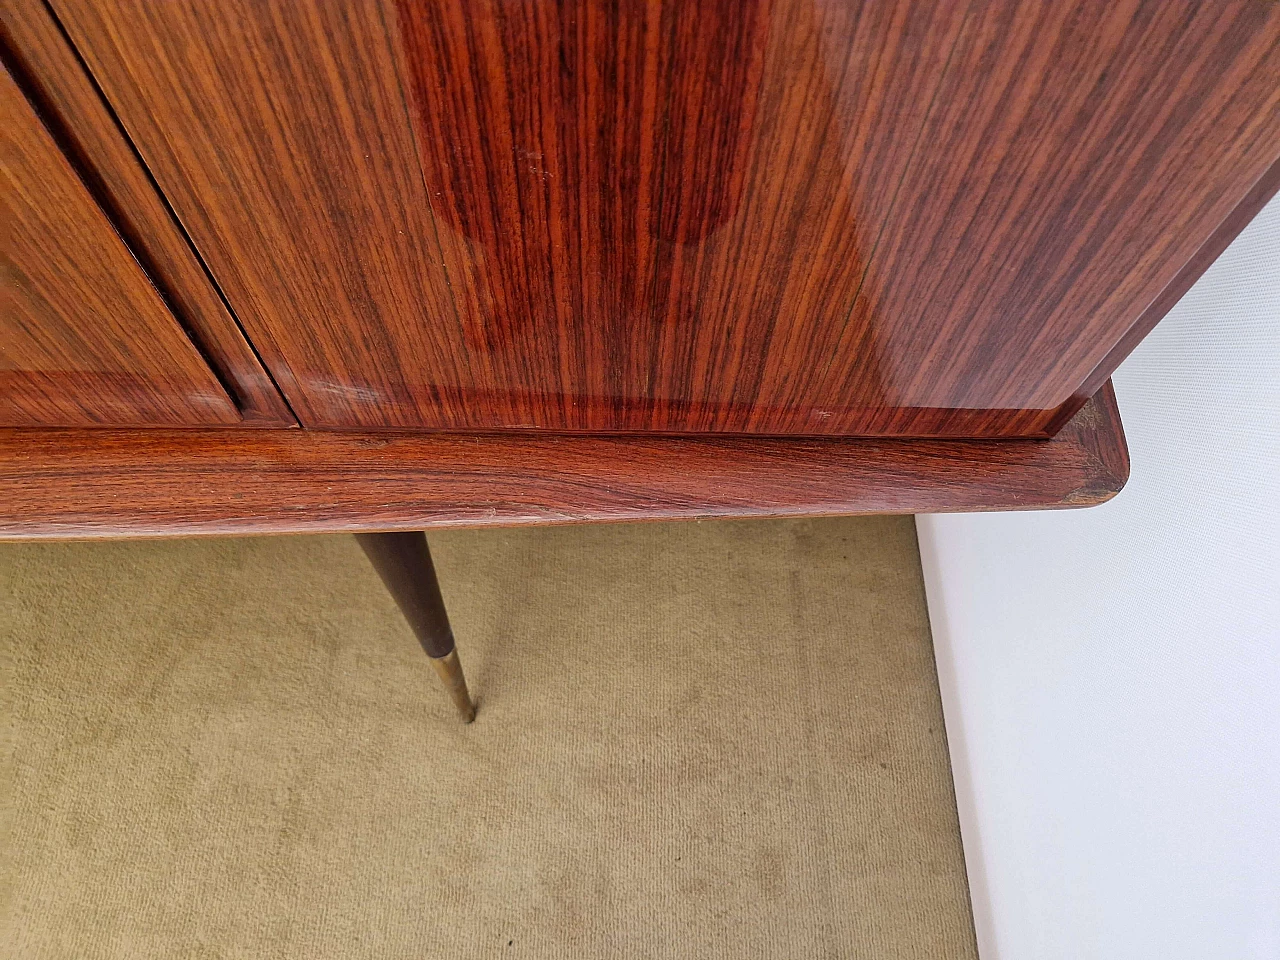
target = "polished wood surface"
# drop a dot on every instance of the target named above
(89, 484)
(278, 132)
(68, 100)
(759, 216)
(84, 336)
(403, 561)
(1078, 156)
(1210, 250)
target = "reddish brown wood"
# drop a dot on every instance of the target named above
(770, 216)
(69, 100)
(278, 132)
(1080, 155)
(88, 484)
(1227, 231)
(84, 337)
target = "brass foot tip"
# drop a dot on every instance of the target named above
(450, 671)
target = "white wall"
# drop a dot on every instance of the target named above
(1111, 676)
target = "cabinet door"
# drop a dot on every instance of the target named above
(752, 216)
(85, 339)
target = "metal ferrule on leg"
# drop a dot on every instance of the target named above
(403, 561)
(455, 683)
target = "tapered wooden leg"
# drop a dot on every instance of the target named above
(403, 561)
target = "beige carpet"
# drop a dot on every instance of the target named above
(694, 740)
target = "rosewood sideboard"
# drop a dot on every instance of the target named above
(379, 266)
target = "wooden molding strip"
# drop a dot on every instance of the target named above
(88, 484)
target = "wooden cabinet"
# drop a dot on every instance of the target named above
(698, 234)
(764, 217)
(84, 336)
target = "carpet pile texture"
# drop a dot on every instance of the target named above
(717, 740)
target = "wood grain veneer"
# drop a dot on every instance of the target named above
(86, 129)
(277, 130)
(1210, 250)
(745, 216)
(89, 484)
(1079, 157)
(84, 336)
